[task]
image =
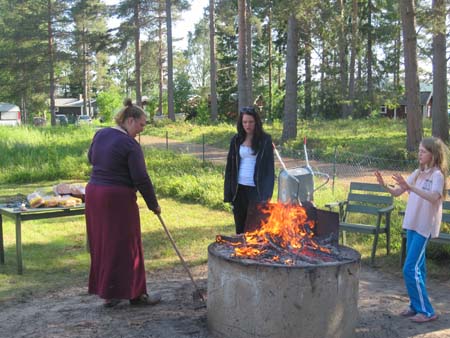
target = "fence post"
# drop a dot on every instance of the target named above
(167, 140)
(334, 169)
(203, 148)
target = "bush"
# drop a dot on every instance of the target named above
(109, 103)
(185, 178)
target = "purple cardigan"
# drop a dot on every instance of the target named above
(117, 159)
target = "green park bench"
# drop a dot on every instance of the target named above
(370, 202)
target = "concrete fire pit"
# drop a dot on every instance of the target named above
(247, 298)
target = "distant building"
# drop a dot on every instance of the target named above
(73, 107)
(399, 111)
(9, 114)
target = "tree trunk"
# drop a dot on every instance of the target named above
(322, 72)
(213, 65)
(290, 101)
(398, 55)
(414, 116)
(369, 55)
(137, 45)
(85, 70)
(248, 45)
(51, 62)
(343, 57)
(170, 85)
(241, 69)
(354, 43)
(308, 74)
(269, 32)
(439, 108)
(160, 65)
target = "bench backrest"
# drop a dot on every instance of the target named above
(367, 198)
(446, 211)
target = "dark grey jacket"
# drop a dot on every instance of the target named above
(264, 175)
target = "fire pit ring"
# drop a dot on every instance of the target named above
(247, 298)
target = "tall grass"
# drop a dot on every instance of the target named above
(378, 137)
(31, 154)
(218, 135)
(185, 178)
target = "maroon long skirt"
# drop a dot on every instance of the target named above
(114, 232)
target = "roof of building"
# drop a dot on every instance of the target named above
(70, 102)
(424, 98)
(8, 107)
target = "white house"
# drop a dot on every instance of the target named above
(9, 114)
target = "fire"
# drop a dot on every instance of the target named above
(284, 236)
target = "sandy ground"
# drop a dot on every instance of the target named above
(74, 313)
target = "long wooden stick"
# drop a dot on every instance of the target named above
(197, 289)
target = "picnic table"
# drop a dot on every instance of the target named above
(19, 216)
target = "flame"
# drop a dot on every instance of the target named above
(285, 229)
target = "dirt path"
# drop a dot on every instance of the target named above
(74, 313)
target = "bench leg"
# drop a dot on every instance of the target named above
(374, 248)
(388, 242)
(388, 234)
(344, 238)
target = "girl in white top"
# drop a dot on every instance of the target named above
(250, 170)
(427, 188)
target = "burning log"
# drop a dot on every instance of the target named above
(296, 256)
(286, 235)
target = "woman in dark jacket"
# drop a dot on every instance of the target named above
(250, 170)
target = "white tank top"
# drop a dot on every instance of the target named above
(247, 166)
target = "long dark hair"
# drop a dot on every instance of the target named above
(258, 133)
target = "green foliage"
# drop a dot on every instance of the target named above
(109, 102)
(218, 135)
(182, 93)
(203, 113)
(377, 137)
(41, 154)
(185, 178)
(31, 154)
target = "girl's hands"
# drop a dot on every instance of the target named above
(379, 178)
(401, 182)
(397, 190)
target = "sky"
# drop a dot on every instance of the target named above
(181, 28)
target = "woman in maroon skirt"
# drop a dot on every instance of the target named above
(112, 215)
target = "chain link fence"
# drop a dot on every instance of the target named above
(347, 164)
(340, 164)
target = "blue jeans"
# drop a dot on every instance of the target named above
(414, 273)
